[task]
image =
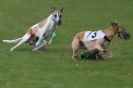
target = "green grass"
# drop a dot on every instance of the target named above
(54, 68)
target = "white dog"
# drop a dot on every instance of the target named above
(41, 32)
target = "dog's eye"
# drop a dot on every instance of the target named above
(55, 15)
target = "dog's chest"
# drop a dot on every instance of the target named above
(50, 27)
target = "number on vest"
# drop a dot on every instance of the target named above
(94, 35)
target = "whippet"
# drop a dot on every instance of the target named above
(100, 44)
(42, 30)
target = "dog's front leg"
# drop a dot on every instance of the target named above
(44, 29)
(39, 41)
(52, 38)
(98, 47)
(41, 45)
(41, 37)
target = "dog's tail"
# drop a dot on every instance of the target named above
(12, 41)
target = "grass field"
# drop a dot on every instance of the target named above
(54, 68)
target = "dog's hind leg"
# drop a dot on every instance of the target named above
(75, 47)
(24, 39)
(12, 41)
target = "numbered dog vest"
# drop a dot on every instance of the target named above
(93, 35)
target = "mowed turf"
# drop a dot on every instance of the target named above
(53, 68)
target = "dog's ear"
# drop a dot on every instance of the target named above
(62, 9)
(52, 9)
(114, 23)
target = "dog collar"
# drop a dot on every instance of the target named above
(106, 38)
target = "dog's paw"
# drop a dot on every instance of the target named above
(104, 50)
(106, 55)
(35, 49)
(12, 49)
(49, 43)
(37, 44)
(4, 41)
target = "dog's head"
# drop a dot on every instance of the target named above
(57, 15)
(120, 31)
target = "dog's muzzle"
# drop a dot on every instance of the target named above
(124, 35)
(59, 22)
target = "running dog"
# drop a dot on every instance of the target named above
(41, 31)
(97, 41)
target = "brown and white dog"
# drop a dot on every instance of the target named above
(42, 30)
(101, 44)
